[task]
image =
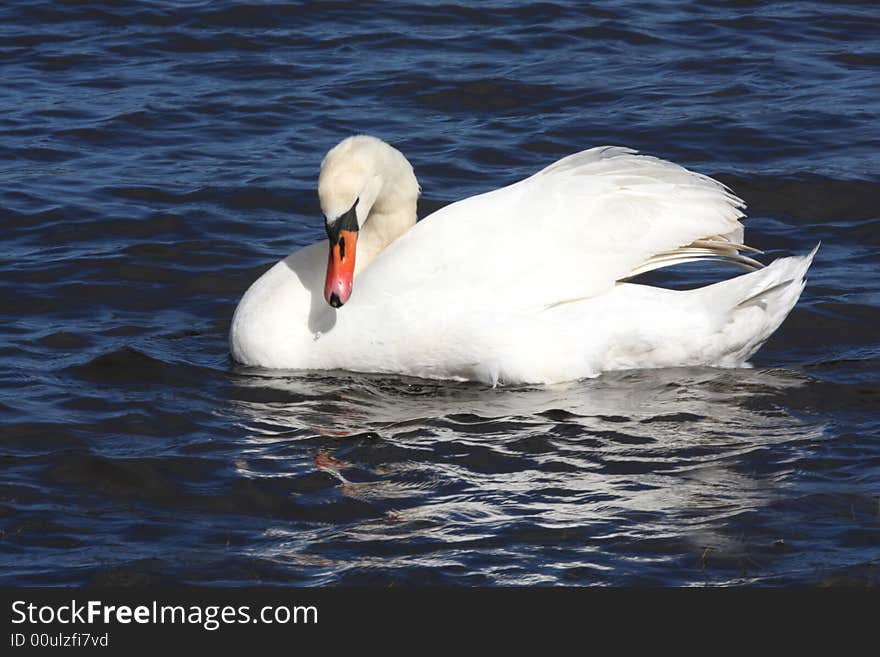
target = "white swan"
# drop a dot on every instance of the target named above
(523, 284)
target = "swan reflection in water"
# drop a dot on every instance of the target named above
(668, 455)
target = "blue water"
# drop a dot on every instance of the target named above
(157, 157)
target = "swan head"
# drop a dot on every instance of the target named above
(358, 175)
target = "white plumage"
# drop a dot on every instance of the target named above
(523, 283)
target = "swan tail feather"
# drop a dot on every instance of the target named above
(757, 303)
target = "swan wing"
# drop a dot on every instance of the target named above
(568, 232)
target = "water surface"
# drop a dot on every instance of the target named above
(158, 157)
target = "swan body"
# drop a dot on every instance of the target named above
(523, 284)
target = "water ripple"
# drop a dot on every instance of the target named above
(158, 157)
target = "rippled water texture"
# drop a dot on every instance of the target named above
(158, 156)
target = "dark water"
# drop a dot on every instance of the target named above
(158, 156)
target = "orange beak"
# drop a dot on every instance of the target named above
(340, 268)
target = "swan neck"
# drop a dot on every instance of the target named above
(383, 226)
(393, 212)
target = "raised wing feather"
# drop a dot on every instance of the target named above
(569, 231)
